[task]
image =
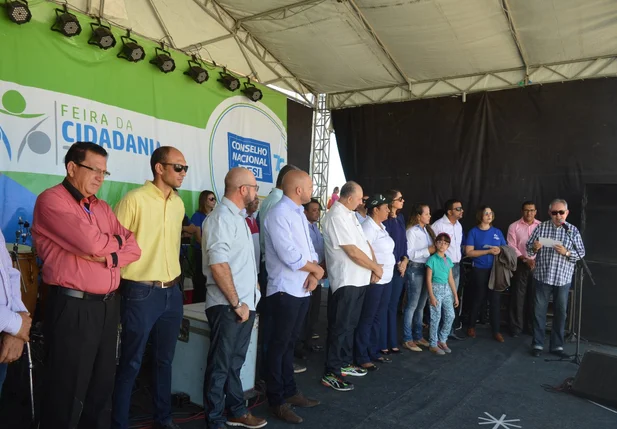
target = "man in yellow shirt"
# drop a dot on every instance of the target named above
(151, 295)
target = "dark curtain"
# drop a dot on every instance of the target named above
(299, 135)
(498, 148)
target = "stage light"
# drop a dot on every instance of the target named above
(101, 36)
(196, 72)
(230, 82)
(131, 51)
(163, 60)
(18, 11)
(66, 23)
(252, 92)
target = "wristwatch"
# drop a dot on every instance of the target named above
(568, 253)
(237, 306)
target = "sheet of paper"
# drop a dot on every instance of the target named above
(549, 242)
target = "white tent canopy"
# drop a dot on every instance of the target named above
(376, 51)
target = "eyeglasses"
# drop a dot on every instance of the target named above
(251, 186)
(398, 199)
(556, 212)
(97, 171)
(458, 209)
(177, 167)
(488, 213)
(530, 210)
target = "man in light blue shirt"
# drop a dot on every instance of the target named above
(14, 318)
(231, 297)
(293, 272)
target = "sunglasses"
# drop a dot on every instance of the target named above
(211, 199)
(398, 199)
(556, 212)
(458, 209)
(177, 167)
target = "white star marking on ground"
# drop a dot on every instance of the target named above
(498, 423)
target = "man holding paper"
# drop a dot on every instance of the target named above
(557, 245)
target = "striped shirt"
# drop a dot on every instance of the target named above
(551, 267)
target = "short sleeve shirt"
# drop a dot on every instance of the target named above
(441, 268)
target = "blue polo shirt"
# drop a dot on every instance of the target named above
(478, 239)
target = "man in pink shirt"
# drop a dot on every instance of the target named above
(82, 246)
(518, 234)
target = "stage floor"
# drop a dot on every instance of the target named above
(481, 384)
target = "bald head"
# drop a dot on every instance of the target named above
(351, 195)
(240, 186)
(298, 186)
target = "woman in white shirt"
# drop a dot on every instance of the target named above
(420, 245)
(366, 338)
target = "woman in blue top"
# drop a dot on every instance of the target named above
(207, 201)
(482, 245)
(395, 225)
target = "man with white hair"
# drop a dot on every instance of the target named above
(553, 274)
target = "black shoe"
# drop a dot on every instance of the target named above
(561, 354)
(456, 337)
(515, 334)
(170, 425)
(536, 352)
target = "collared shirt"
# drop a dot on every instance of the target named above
(227, 239)
(288, 248)
(418, 242)
(396, 228)
(455, 232)
(361, 218)
(340, 228)
(518, 234)
(317, 240)
(270, 201)
(383, 246)
(157, 225)
(10, 293)
(198, 219)
(67, 226)
(254, 228)
(551, 267)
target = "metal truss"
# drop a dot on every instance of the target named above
(589, 68)
(321, 151)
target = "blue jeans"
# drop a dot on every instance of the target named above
(388, 336)
(416, 301)
(3, 368)
(147, 312)
(229, 342)
(367, 333)
(560, 303)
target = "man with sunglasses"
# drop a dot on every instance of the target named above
(450, 224)
(518, 234)
(152, 299)
(553, 274)
(82, 246)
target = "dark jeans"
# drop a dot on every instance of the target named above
(288, 320)
(80, 346)
(479, 281)
(367, 332)
(265, 322)
(344, 308)
(229, 342)
(313, 315)
(560, 304)
(155, 313)
(519, 304)
(388, 337)
(3, 368)
(199, 280)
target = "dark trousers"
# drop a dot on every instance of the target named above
(288, 320)
(479, 280)
(265, 322)
(199, 280)
(344, 308)
(3, 368)
(80, 344)
(388, 337)
(229, 342)
(520, 310)
(154, 313)
(313, 314)
(367, 333)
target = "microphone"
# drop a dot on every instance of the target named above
(566, 228)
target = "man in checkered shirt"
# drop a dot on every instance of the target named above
(553, 274)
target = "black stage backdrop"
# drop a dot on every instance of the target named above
(299, 135)
(499, 148)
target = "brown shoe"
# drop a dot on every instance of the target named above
(471, 333)
(422, 342)
(498, 337)
(285, 413)
(299, 400)
(247, 421)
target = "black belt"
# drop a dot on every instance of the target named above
(60, 290)
(159, 284)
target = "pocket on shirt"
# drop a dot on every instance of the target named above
(136, 292)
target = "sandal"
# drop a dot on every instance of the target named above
(385, 352)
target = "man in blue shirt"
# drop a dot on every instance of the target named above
(293, 272)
